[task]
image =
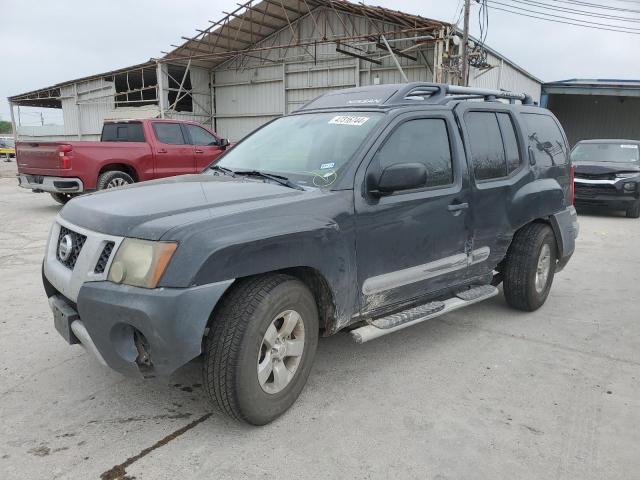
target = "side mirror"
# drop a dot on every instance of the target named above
(224, 143)
(401, 176)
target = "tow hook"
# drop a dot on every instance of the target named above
(142, 345)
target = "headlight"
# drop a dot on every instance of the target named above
(141, 263)
(626, 175)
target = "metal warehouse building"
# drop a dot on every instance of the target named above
(268, 58)
(595, 108)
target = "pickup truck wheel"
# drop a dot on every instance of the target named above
(62, 198)
(260, 347)
(634, 211)
(530, 267)
(113, 179)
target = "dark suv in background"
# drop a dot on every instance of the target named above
(607, 174)
(370, 209)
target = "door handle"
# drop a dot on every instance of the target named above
(199, 151)
(457, 207)
(162, 150)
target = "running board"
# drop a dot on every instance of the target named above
(385, 325)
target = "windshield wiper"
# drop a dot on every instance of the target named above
(226, 171)
(282, 180)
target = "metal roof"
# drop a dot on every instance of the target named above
(585, 86)
(253, 21)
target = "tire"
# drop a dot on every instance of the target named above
(634, 211)
(522, 264)
(236, 348)
(62, 198)
(113, 179)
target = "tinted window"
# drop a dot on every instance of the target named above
(420, 141)
(510, 142)
(170, 133)
(485, 140)
(545, 139)
(122, 132)
(199, 136)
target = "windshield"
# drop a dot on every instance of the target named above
(605, 152)
(7, 142)
(310, 149)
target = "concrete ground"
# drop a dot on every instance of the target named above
(481, 393)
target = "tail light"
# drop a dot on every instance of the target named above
(64, 151)
(572, 169)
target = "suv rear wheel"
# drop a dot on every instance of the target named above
(634, 211)
(113, 179)
(260, 347)
(529, 267)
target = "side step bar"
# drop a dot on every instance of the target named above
(385, 325)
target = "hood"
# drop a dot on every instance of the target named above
(150, 209)
(603, 168)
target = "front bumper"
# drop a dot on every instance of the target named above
(49, 184)
(606, 193)
(108, 319)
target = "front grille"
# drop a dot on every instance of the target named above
(592, 191)
(596, 176)
(104, 257)
(77, 242)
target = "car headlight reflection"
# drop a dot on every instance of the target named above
(141, 263)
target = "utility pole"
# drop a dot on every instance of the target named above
(465, 44)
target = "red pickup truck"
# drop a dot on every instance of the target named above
(128, 152)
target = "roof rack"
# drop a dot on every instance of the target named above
(440, 93)
(381, 96)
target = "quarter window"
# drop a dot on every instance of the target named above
(169, 133)
(199, 136)
(545, 139)
(423, 141)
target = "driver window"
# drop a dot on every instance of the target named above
(199, 136)
(423, 141)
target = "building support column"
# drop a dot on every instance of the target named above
(160, 88)
(13, 122)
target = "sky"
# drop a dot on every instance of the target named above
(43, 42)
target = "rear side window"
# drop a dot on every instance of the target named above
(122, 132)
(199, 136)
(420, 141)
(494, 144)
(487, 153)
(545, 139)
(169, 133)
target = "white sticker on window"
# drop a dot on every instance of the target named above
(348, 120)
(327, 165)
(635, 147)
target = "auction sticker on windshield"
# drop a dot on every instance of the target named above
(635, 147)
(348, 120)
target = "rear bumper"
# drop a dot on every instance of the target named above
(49, 184)
(109, 320)
(566, 229)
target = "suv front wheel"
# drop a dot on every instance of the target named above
(530, 266)
(260, 347)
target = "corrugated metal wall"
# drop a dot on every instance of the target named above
(200, 96)
(503, 76)
(594, 116)
(250, 93)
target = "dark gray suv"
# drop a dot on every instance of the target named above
(368, 210)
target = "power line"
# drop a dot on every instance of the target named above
(596, 5)
(576, 11)
(603, 26)
(565, 22)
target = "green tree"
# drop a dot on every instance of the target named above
(5, 127)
